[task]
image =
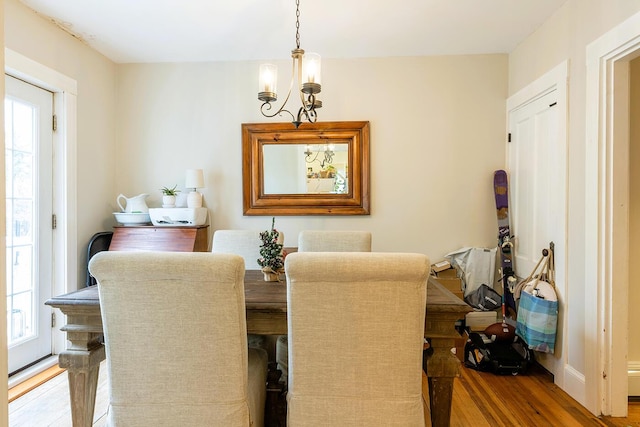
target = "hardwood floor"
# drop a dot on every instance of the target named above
(480, 399)
(48, 404)
(484, 399)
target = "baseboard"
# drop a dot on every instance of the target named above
(33, 381)
(32, 371)
(634, 378)
(574, 384)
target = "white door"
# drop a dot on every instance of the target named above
(533, 169)
(537, 168)
(29, 201)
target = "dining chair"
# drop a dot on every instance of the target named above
(176, 340)
(356, 327)
(322, 241)
(245, 243)
(99, 242)
(334, 241)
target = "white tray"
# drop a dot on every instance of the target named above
(173, 217)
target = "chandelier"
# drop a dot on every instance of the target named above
(328, 155)
(305, 70)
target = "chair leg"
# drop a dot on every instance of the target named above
(275, 408)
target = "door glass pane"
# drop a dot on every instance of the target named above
(21, 122)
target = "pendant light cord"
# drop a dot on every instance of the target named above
(297, 24)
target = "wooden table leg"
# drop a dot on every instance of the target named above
(441, 367)
(82, 360)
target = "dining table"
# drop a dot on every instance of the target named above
(266, 308)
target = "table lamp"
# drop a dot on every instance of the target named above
(194, 179)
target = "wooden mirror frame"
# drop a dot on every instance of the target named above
(354, 202)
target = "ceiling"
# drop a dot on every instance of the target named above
(213, 30)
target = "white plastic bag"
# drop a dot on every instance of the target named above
(475, 265)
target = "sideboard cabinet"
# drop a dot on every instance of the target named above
(162, 238)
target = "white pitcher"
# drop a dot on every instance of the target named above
(135, 204)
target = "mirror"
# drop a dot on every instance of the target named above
(306, 168)
(317, 169)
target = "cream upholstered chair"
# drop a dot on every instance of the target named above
(322, 241)
(334, 241)
(176, 340)
(245, 243)
(356, 327)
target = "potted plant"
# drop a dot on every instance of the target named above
(271, 257)
(331, 171)
(169, 196)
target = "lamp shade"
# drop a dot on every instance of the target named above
(311, 68)
(194, 178)
(268, 78)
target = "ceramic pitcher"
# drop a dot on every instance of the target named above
(136, 204)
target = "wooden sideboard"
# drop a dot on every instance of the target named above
(162, 238)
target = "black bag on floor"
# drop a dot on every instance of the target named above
(499, 357)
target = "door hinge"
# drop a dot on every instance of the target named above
(54, 222)
(55, 123)
(53, 319)
(509, 137)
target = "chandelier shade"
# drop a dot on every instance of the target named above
(267, 84)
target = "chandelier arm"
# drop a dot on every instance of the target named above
(314, 159)
(328, 156)
(279, 112)
(282, 109)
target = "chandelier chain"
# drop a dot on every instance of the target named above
(297, 24)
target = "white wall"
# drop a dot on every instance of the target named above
(40, 40)
(565, 36)
(437, 135)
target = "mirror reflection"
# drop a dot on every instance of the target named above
(306, 168)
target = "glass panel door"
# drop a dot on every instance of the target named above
(28, 180)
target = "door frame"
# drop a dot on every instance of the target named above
(607, 217)
(65, 270)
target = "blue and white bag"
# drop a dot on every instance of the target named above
(537, 319)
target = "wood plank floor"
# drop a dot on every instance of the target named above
(480, 399)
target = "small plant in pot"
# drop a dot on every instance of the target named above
(331, 171)
(169, 196)
(271, 257)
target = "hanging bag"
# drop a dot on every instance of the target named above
(537, 317)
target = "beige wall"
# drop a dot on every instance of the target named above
(634, 213)
(565, 36)
(40, 40)
(437, 135)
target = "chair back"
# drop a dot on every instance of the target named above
(356, 327)
(99, 242)
(245, 243)
(334, 241)
(175, 336)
